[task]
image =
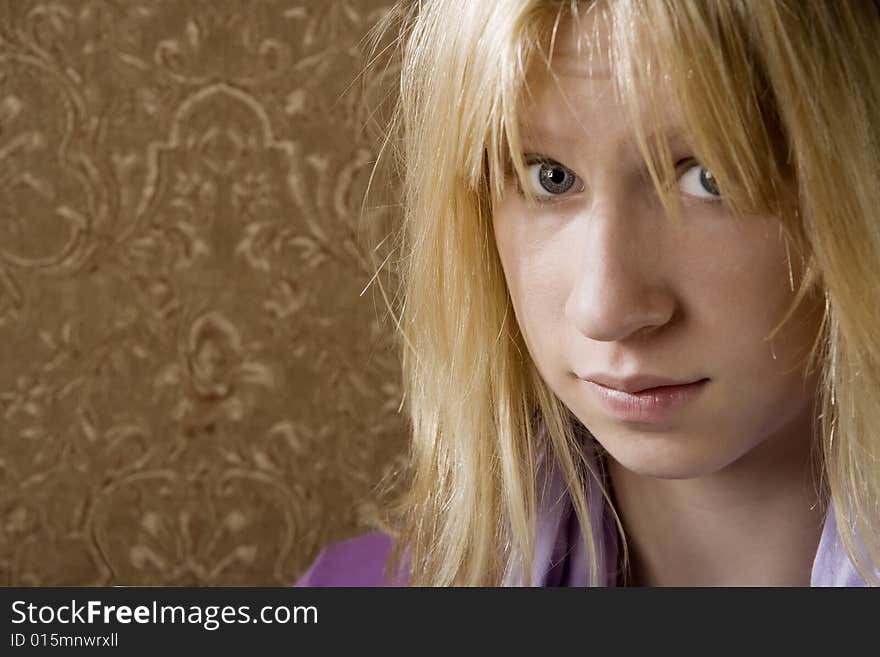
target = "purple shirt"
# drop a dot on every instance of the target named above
(560, 557)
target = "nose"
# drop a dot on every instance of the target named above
(619, 290)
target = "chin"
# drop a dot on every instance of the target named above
(672, 471)
(666, 459)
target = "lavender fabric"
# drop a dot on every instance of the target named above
(360, 561)
(560, 557)
(356, 562)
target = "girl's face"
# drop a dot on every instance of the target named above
(603, 284)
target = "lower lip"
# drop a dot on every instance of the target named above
(651, 405)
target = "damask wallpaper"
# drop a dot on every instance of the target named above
(195, 389)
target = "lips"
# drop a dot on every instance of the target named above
(651, 404)
(638, 383)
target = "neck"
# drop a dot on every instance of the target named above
(757, 522)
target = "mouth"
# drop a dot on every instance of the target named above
(647, 403)
(639, 382)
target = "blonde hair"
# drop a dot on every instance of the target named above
(791, 86)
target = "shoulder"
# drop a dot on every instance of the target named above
(832, 565)
(356, 562)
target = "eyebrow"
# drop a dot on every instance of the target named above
(675, 133)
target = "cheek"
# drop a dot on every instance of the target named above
(536, 280)
(537, 293)
(740, 291)
(738, 300)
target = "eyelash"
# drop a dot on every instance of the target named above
(547, 199)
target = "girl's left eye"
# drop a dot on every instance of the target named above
(697, 181)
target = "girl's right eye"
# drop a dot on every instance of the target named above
(548, 179)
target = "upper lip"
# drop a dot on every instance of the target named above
(636, 383)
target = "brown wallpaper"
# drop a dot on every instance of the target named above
(193, 390)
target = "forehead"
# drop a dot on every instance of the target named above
(579, 46)
(575, 87)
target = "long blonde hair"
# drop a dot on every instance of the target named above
(790, 84)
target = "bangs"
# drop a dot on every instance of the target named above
(699, 59)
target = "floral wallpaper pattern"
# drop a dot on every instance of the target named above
(193, 388)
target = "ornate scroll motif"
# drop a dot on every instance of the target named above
(193, 390)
